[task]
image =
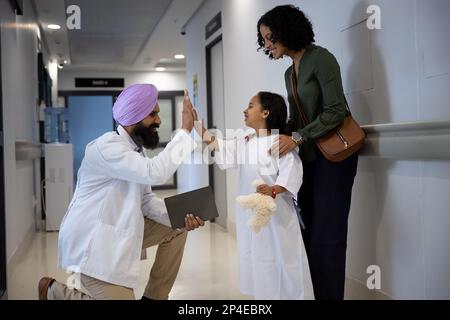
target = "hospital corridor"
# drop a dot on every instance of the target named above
(225, 150)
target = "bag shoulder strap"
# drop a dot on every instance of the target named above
(347, 106)
(296, 97)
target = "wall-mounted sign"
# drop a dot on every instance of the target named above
(214, 25)
(99, 82)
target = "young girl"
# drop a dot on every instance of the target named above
(271, 261)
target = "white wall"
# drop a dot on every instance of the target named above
(196, 176)
(52, 68)
(19, 80)
(164, 81)
(400, 213)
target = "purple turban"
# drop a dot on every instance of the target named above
(135, 103)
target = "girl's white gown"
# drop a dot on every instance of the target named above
(273, 262)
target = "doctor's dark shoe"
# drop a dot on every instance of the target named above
(144, 298)
(44, 284)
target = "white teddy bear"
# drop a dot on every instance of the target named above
(262, 207)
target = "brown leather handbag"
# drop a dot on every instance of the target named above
(341, 142)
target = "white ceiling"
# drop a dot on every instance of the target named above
(117, 35)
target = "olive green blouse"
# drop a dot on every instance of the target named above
(319, 86)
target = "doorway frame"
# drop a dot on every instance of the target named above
(3, 266)
(209, 106)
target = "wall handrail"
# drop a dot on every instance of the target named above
(28, 150)
(406, 126)
(408, 141)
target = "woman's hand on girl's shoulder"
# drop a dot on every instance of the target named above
(282, 146)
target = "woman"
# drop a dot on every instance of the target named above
(271, 260)
(325, 194)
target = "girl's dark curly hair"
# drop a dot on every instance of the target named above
(289, 25)
(276, 106)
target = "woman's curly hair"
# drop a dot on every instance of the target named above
(289, 26)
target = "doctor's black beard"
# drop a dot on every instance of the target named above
(146, 136)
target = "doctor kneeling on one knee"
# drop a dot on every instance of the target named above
(114, 214)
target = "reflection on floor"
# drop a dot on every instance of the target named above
(208, 271)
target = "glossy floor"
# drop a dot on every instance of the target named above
(208, 271)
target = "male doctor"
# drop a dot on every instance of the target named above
(114, 214)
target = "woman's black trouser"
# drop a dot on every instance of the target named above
(324, 199)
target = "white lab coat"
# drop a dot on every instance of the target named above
(102, 232)
(271, 261)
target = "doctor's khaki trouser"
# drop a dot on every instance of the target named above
(162, 276)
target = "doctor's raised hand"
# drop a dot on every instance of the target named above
(187, 114)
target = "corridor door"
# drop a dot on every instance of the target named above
(216, 119)
(166, 102)
(89, 118)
